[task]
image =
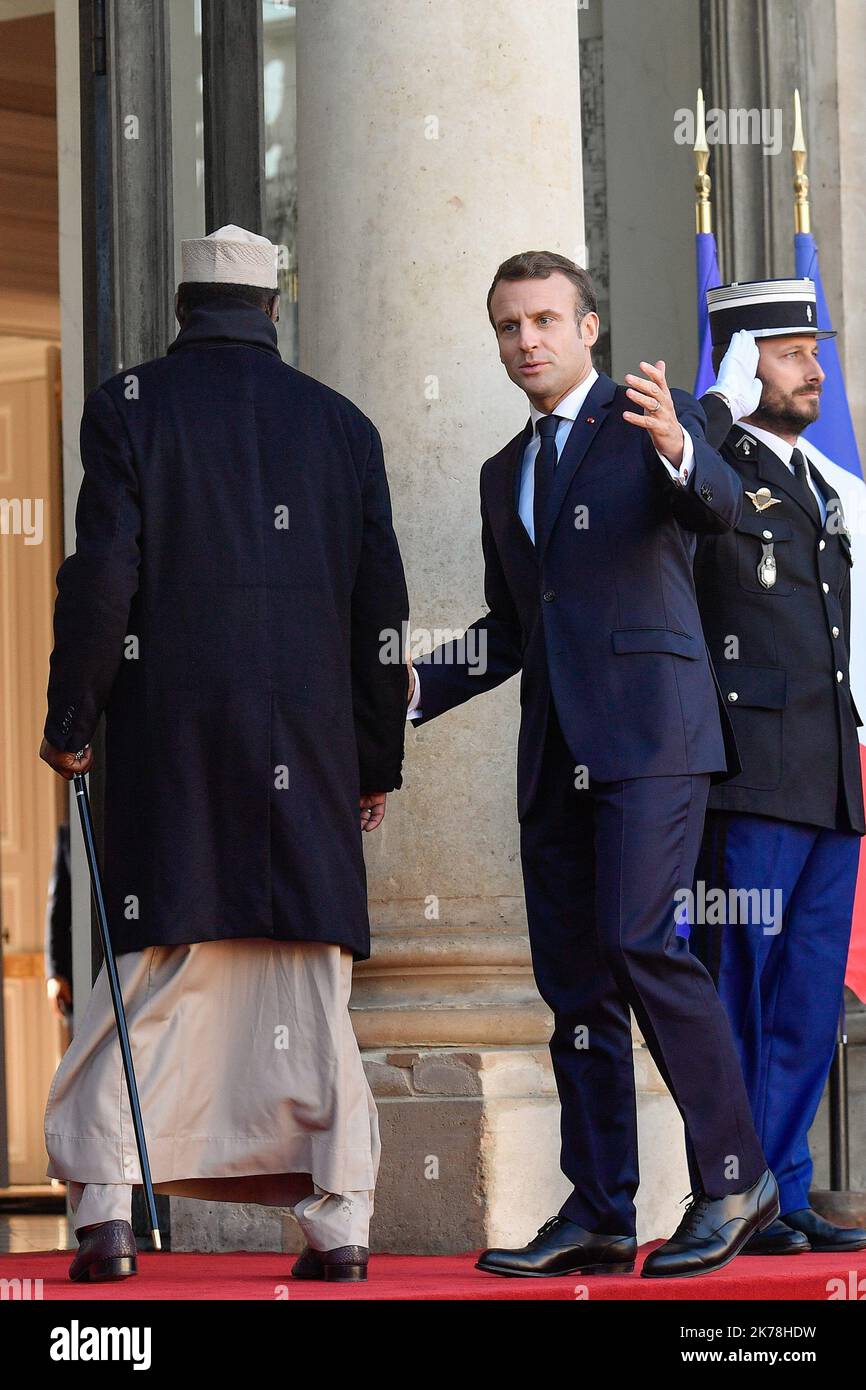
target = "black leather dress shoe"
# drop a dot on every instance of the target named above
(346, 1264)
(823, 1235)
(777, 1239)
(563, 1247)
(714, 1230)
(106, 1251)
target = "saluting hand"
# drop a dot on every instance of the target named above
(66, 765)
(659, 418)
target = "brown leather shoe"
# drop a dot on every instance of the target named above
(106, 1251)
(343, 1265)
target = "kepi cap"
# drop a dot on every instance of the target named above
(767, 308)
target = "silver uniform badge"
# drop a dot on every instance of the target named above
(767, 566)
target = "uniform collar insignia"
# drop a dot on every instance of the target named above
(746, 446)
(762, 499)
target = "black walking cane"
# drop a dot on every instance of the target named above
(116, 999)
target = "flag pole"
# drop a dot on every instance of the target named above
(706, 254)
(703, 183)
(802, 216)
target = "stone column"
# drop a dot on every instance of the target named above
(435, 140)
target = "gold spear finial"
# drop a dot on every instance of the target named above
(703, 207)
(802, 221)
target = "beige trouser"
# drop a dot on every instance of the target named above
(327, 1219)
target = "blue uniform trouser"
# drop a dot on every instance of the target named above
(780, 973)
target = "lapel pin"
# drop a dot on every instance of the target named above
(590, 419)
(762, 499)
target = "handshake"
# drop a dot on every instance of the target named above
(373, 805)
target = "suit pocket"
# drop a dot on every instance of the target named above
(657, 639)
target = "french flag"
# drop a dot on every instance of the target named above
(707, 264)
(834, 444)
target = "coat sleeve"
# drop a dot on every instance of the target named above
(97, 582)
(719, 418)
(490, 651)
(712, 500)
(380, 613)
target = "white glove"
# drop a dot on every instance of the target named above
(737, 381)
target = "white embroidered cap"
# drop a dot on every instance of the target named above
(231, 255)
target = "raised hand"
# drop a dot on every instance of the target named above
(660, 417)
(738, 381)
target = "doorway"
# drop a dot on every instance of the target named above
(32, 1036)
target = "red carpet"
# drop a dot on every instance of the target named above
(432, 1277)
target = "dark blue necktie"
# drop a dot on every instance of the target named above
(798, 463)
(545, 467)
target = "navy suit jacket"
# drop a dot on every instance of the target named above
(602, 614)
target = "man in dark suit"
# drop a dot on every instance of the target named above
(589, 517)
(775, 598)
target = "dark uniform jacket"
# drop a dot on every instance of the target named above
(235, 568)
(602, 615)
(781, 650)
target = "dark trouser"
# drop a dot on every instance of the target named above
(780, 969)
(601, 867)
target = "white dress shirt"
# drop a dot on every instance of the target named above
(783, 450)
(568, 409)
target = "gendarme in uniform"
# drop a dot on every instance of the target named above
(775, 600)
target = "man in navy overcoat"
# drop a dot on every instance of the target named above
(234, 582)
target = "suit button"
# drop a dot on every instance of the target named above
(822, 545)
(549, 595)
(839, 676)
(733, 696)
(835, 632)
